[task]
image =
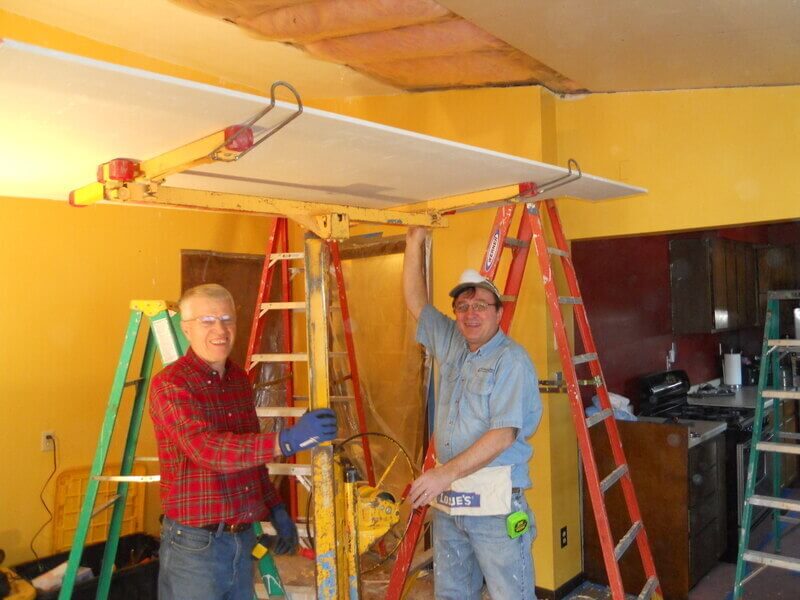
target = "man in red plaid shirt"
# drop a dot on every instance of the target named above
(214, 482)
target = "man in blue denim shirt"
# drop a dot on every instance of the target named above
(487, 406)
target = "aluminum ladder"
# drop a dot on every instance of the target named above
(777, 442)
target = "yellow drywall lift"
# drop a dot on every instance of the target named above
(128, 181)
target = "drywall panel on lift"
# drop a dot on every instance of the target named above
(62, 115)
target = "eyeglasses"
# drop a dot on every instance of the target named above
(209, 320)
(479, 306)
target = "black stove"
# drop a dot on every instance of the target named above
(666, 394)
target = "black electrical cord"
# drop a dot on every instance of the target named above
(47, 508)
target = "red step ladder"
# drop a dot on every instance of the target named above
(278, 256)
(531, 230)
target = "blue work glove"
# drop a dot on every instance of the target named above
(313, 428)
(286, 529)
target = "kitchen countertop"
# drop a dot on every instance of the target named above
(745, 397)
(699, 431)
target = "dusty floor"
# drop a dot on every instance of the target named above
(299, 572)
(772, 584)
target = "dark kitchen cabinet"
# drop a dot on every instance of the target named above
(713, 283)
(778, 269)
(681, 496)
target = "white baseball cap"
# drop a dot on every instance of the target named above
(472, 279)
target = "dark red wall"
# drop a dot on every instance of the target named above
(625, 285)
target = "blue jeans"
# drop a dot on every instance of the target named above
(467, 550)
(196, 564)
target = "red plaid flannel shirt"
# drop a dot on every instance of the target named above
(211, 452)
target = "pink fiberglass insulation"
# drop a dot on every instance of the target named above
(336, 18)
(442, 38)
(411, 44)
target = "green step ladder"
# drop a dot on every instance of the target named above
(166, 335)
(777, 443)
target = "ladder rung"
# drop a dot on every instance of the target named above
(106, 504)
(613, 477)
(781, 394)
(579, 359)
(772, 560)
(770, 502)
(280, 411)
(302, 528)
(294, 357)
(753, 574)
(508, 298)
(146, 459)
(570, 300)
(296, 470)
(133, 382)
(786, 435)
(597, 417)
(783, 295)
(265, 306)
(784, 343)
(516, 243)
(287, 256)
(331, 398)
(648, 589)
(778, 447)
(557, 251)
(789, 520)
(128, 478)
(626, 541)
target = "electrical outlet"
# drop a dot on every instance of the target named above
(564, 536)
(48, 441)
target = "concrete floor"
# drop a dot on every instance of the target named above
(772, 583)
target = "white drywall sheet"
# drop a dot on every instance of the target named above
(62, 115)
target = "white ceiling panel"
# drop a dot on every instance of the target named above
(62, 115)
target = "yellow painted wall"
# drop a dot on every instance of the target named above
(67, 277)
(518, 121)
(708, 157)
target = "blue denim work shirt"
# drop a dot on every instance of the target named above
(494, 387)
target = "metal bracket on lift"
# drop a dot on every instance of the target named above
(240, 132)
(140, 182)
(529, 191)
(558, 182)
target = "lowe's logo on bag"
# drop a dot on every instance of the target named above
(459, 499)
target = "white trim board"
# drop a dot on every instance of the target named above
(62, 115)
